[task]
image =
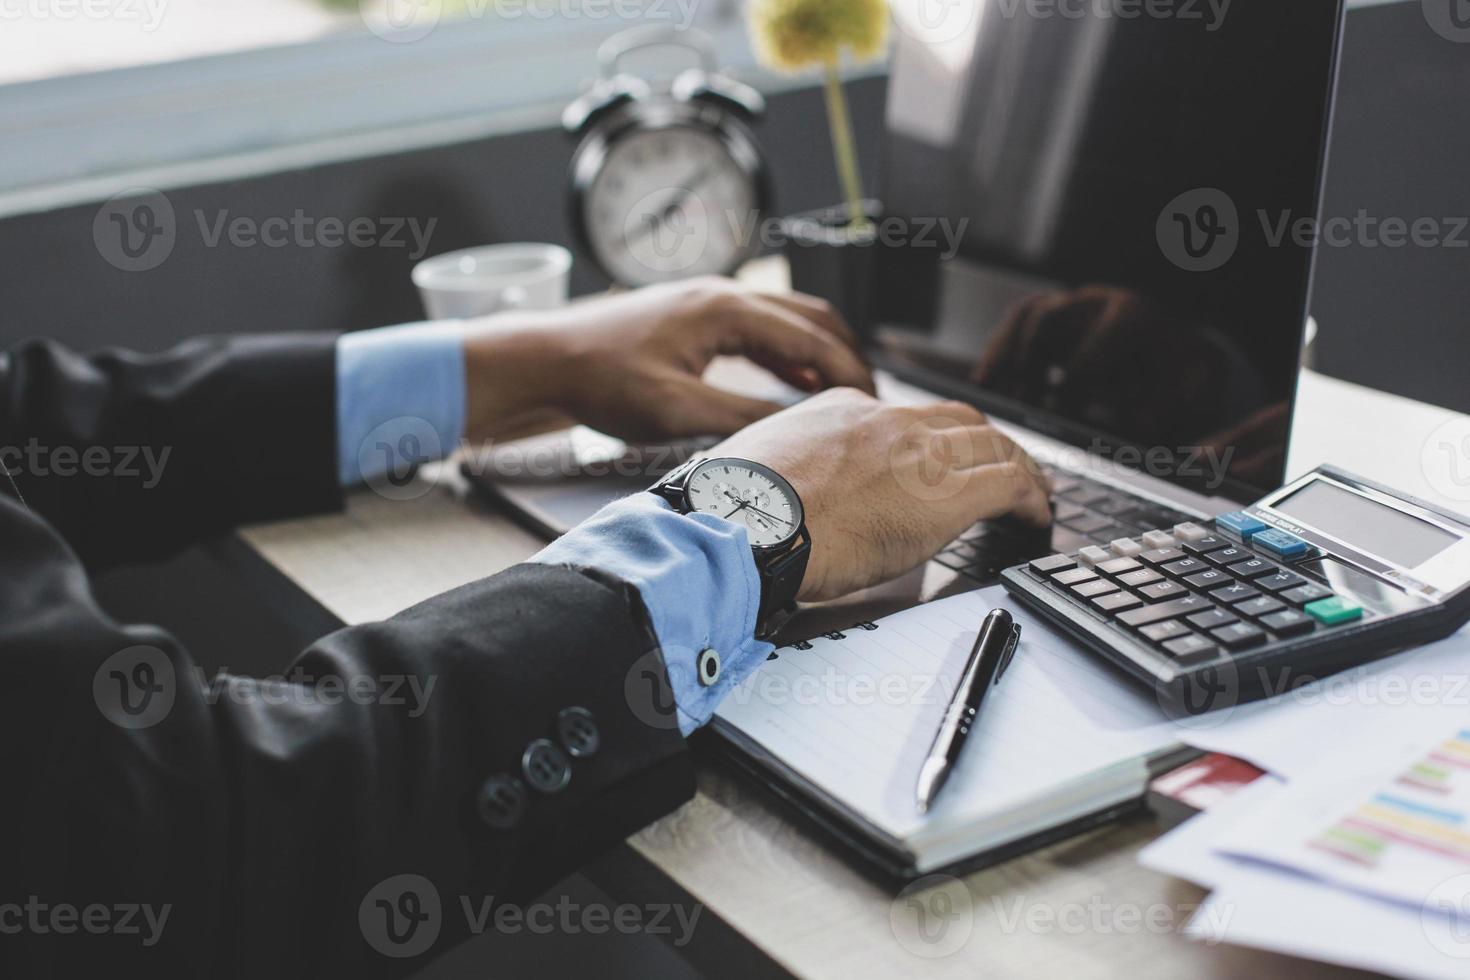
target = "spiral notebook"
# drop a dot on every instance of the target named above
(840, 724)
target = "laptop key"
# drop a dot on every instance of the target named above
(1160, 611)
(1086, 522)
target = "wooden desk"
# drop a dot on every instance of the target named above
(1077, 909)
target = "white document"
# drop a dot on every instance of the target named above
(1058, 736)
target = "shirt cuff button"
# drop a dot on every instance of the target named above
(707, 666)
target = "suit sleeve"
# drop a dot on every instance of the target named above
(133, 456)
(351, 817)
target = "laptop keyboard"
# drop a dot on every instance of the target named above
(1085, 511)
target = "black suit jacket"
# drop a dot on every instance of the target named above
(339, 823)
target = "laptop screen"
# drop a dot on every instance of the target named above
(1106, 210)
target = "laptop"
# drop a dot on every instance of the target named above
(1094, 256)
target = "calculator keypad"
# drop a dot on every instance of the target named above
(1194, 594)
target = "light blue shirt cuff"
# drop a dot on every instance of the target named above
(698, 581)
(400, 398)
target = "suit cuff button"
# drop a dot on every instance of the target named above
(577, 731)
(546, 767)
(707, 666)
(501, 802)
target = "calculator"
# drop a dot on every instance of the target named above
(1328, 572)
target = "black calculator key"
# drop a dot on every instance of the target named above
(1303, 594)
(1207, 544)
(1167, 630)
(1160, 611)
(1259, 606)
(1239, 636)
(1097, 586)
(1209, 579)
(1288, 622)
(1231, 594)
(1161, 556)
(1074, 575)
(1159, 591)
(1188, 649)
(1053, 563)
(1185, 566)
(1279, 581)
(1252, 567)
(1117, 566)
(1228, 556)
(1116, 602)
(1211, 619)
(1140, 578)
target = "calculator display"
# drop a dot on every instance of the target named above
(1376, 528)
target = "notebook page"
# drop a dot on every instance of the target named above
(856, 715)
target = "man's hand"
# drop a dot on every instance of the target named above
(885, 487)
(630, 365)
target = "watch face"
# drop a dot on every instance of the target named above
(668, 203)
(749, 494)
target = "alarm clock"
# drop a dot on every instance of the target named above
(666, 181)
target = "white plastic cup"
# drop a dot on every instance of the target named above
(493, 279)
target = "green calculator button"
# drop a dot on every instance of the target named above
(1331, 612)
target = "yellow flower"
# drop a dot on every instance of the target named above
(794, 34)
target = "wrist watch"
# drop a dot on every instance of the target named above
(757, 498)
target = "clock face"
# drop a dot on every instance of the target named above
(668, 203)
(748, 495)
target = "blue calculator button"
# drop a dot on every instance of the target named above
(1280, 543)
(1241, 524)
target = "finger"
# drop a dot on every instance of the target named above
(703, 410)
(785, 342)
(1011, 489)
(822, 313)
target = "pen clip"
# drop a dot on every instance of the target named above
(1009, 653)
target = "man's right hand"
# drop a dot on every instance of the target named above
(886, 487)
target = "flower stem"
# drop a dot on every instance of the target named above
(843, 150)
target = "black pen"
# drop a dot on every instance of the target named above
(995, 645)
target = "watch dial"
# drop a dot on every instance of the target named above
(670, 203)
(741, 493)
